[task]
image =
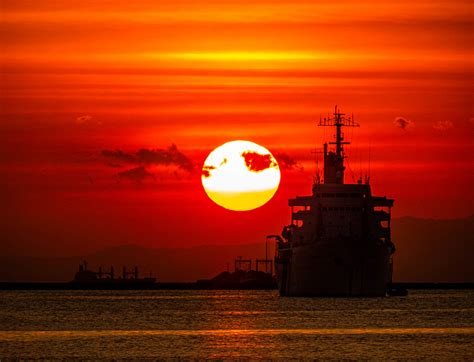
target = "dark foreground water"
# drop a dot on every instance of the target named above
(234, 324)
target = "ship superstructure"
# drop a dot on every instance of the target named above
(339, 240)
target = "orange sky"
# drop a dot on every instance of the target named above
(82, 77)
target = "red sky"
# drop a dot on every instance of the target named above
(80, 77)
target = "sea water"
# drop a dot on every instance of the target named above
(234, 324)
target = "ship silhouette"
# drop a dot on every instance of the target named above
(243, 276)
(85, 277)
(339, 240)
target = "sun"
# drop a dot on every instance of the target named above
(240, 175)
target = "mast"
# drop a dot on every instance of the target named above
(334, 161)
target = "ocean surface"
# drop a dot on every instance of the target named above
(234, 324)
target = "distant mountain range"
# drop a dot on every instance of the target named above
(427, 250)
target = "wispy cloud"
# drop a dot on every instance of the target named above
(403, 123)
(119, 155)
(443, 125)
(83, 119)
(136, 174)
(170, 156)
(286, 162)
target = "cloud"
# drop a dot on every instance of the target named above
(137, 174)
(286, 162)
(168, 157)
(257, 162)
(83, 119)
(206, 170)
(113, 165)
(403, 123)
(443, 125)
(119, 155)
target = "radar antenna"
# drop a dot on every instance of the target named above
(334, 161)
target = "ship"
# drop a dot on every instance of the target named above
(243, 276)
(339, 240)
(88, 278)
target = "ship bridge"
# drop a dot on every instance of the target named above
(336, 209)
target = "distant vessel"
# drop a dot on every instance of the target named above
(84, 276)
(339, 240)
(243, 276)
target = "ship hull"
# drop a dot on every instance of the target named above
(334, 269)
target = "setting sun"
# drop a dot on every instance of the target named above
(240, 175)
